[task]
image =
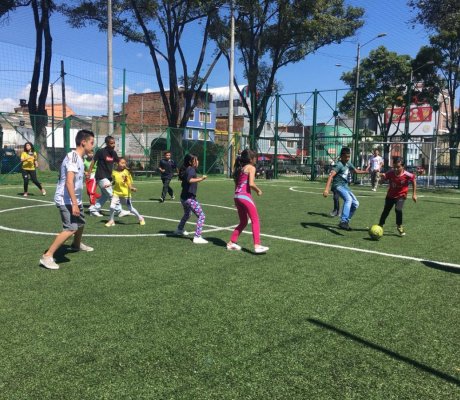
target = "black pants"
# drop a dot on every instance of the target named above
(336, 199)
(389, 203)
(33, 177)
(166, 188)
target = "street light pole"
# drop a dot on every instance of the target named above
(356, 111)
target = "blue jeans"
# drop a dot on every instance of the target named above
(350, 202)
(106, 194)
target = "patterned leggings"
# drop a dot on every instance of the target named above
(191, 205)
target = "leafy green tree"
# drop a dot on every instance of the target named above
(42, 10)
(382, 89)
(161, 25)
(442, 19)
(271, 34)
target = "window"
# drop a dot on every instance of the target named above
(290, 145)
(190, 134)
(201, 135)
(272, 143)
(192, 117)
(204, 115)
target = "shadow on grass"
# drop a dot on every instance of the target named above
(330, 228)
(216, 241)
(60, 255)
(440, 202)
(454, 217)
(320, 214)
(441, 267)
(390, 353)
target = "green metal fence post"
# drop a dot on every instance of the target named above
(205, 130)
(67, 134)
(407, 120)
(356, 132)
(313, 136)
(275, 162)
(123, 123)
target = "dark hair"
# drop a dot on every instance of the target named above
(108, 139)
(83, 134)
(345, 150)
(31, 146)
(241, 161)
(166, 152)
(398, 160)
(189, 160)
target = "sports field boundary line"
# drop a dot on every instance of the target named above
(293, 240)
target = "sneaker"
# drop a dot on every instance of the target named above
(110, 223)
(401, 231)
(124, 213)
(261, 249)
(43, 192)
(161, 200)
(178, 232)
(142, 222)
(95, 214)
(173, 197)
(233, 246)
(48, 262)
(334, 213)
(374, 189)
(344, 225)
(83, 247)
(25, 194)
(199, 240)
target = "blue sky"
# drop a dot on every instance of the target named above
(84, 53)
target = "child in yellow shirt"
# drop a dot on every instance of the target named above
(122, 188)
(29, 160)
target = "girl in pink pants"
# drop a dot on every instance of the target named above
(244, 176)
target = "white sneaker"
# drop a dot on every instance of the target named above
(43, 192)
(233, 246)
(178, 232)
(48, 262)
(261, 249)
(95, 214)
(374, 189)
(199, 240)
(124, 213)
(83, 247)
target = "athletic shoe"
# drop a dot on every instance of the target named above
(161, 200)
(142, 222)
(83, 247)
(173, 197)
(110, 223)
(25, 194)
(261, 249)
(334, 213)
(344, 226)
(95, 214)
(178, 232)
(43, 192)
(401, 231)
(374, 189)
(233, 246)
(48, 262)
(199, 240)
(124, 213)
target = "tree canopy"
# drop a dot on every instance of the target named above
(270, 34)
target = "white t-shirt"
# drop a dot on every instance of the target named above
(72, 163)
(375, 162)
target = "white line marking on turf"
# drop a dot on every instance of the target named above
(216, 228)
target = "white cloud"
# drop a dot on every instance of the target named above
(147, 90)
(139, 55)
(85, 101)
(8, 104)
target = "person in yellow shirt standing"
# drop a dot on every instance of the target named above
(122, 188)
(29, 161)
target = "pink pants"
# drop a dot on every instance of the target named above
(246, 207)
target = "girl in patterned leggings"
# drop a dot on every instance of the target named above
(244, 176)
(187, 174)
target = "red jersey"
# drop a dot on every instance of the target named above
(399, 185)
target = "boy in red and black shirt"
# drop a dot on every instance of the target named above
(398, 180)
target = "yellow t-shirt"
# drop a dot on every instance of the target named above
(121, 183)
(28, 164)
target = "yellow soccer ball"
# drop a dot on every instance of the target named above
(375, 232)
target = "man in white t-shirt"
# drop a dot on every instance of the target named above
(68, 199)
(375, 165)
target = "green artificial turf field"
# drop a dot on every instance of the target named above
(325, 314)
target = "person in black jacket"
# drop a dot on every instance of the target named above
(167, 168)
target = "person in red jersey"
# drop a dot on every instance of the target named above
(399, 181)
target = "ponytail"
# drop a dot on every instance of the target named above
(189, 159)
(241, 161)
